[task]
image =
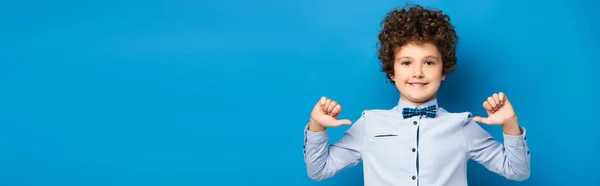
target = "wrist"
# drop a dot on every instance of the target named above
(314, 126)
(511, 127)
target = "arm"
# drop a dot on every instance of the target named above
(511, 159)
(323, 161)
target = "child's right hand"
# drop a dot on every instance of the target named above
(325, 114)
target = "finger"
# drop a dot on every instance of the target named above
(496, 99)
(322, 101)
(492, 103)
(482, 120)
(501, 97)
(328, 106)
(341, 122)
(325, 120)
(488, 107)
(328, 121)
(336, 110)
(327, 102)
(331, 106)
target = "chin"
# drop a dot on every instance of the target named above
(417, 93)
(419, 97)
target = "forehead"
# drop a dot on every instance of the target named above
(414, 50)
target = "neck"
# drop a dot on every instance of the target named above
(417, 103)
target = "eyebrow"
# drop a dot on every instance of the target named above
(426, 57)
(434, 57)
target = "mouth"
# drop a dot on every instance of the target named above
(417, 84)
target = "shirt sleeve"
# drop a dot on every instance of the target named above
(324, 161)
(510, 159)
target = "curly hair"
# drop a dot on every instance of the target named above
(416, 25)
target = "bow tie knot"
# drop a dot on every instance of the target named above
(428, 111)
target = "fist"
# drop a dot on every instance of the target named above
(499, 110)
(326, 112)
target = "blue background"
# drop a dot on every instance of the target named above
(218, 92)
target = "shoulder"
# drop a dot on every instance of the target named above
(459, 117)
(380, 116)
(392, 113)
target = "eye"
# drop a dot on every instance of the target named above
(405, 63)
(430, 63)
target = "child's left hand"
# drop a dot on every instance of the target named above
(499, 110)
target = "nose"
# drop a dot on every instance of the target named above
(417, 71)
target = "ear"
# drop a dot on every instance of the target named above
(444, 77)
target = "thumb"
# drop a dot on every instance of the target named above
(482, 120)
(342, 122)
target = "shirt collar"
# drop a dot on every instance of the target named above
(404, 104)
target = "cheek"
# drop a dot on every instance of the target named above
(435, 74)
(401, 74)
(437, 78)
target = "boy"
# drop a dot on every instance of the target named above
(416, 142)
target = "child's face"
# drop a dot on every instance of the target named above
(418, 72)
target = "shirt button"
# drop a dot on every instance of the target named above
(414, 122)
(414, 177)
(413, 149)
(525, 138)
(527, 152)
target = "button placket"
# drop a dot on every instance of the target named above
(415, 148)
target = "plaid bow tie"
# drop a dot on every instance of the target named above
(428, 111)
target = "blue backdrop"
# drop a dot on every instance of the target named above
(217, 93)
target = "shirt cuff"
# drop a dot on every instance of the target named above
(315, 137)
(515, 141)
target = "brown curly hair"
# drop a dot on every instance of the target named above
(418, 25)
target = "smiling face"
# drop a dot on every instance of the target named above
(418, 72)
